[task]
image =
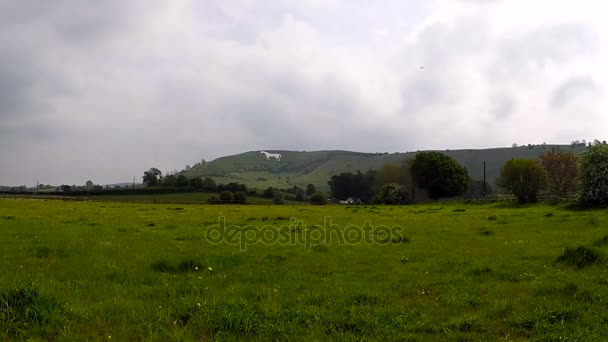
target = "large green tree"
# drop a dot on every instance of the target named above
(440, 174)
(593, 176)
(524, 178)
(152, 177)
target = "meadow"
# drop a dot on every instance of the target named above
(148, 272)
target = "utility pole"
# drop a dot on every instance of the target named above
(484, 179)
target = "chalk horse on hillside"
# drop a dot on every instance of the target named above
(268, 155)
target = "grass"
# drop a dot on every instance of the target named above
(147, 272)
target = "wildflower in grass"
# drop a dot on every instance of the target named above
(196, 268)
(199, 304)
(210, 269)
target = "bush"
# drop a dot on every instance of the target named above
(226, 196)
(524, 178)
(240, 197)
(318, 198)
(593, 177)
(392, 194)
(278, 198)
(440, 174)
(299, 197)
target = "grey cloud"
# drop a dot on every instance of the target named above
(502, 106)
(526, 54)
(573, 89)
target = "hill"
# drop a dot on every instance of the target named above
(317, 167)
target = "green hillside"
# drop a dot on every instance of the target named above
(317, 167)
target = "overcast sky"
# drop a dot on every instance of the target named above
(105, 89)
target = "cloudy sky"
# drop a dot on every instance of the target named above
(105, 89)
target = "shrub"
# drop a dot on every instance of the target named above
(240, 197)
(440, 174)
(318, 198)
(593, 176)
(278, 198)
(524, 178)
(226, 196)
(392, 194)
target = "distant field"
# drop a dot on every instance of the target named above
(117, 271)
(177, 198)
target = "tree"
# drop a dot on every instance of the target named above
(318, 198)
(209, 185)
(152, 177)
(278, 197)
(524, 178)
(348, 184)
(593, 176)
(561, 169)
(226, 196)
(310, 189)
(196, 183)
(182, 181)
(269, 193)
(89, 185)
(234, 187)
(66, 189)
(300, 196)
(240, 197)
(392, 193)
(169, 181)
(440, 174)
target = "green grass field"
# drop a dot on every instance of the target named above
(115, 271)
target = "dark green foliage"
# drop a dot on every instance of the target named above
(593, 177)
(310, 189)
(348, 184)
(299, 197)
(579, 257)
(240, 197)
(152, 177)
(440, 174)
(233, 187)
(226, 196)
(196, 183)
(318, 198)
(182, 181)
(392, 194)
(269, 192)
(524, 178)
(209, 185)
(278, 198)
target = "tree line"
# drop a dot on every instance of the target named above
(434, 175)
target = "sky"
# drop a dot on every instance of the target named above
(106, 89)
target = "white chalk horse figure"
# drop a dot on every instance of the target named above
(268, 155)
